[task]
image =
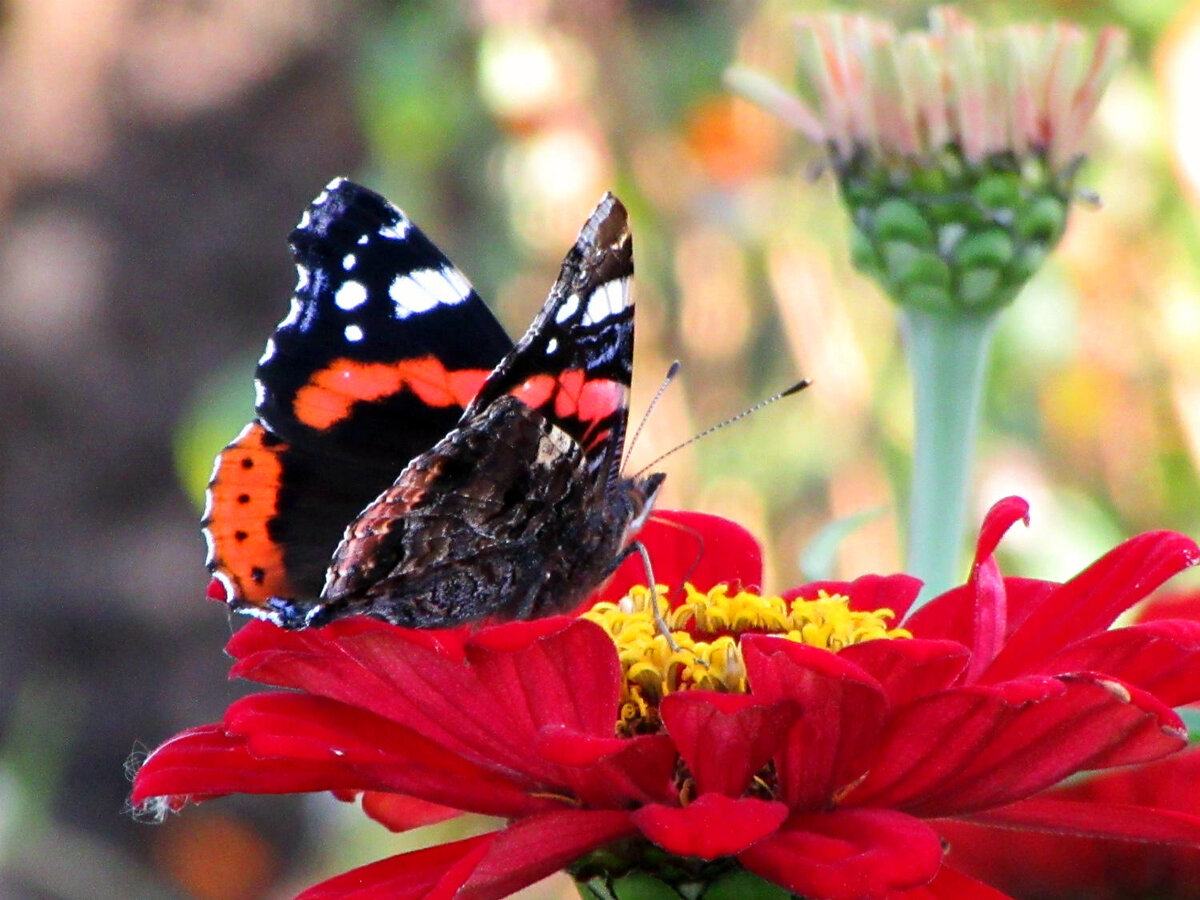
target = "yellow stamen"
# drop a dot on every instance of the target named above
(706, 628)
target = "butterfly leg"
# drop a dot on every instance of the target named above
(661, 623)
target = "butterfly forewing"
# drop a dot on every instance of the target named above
(384, 344)
(574, 364)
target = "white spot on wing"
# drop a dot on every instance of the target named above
(350, 295)
(335, 184)
(552, 345)
(268, 352)
(209, 541)
(567, 310)
(608, 299)
(421, 290)
(458, 283)
(364, 239)
(260, 393)
(305, 220)
(301, 278)
(353, 333)
(293, 315)
(617, 292)
(208, 494)
(321, 198)
(348, 261)
(397, 232)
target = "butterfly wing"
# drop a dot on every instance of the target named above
(469, 529)
(384, 344)
(509, 514)
(575, 363)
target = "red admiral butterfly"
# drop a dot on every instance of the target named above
(509, 501)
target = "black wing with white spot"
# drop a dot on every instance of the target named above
(383, 346)
(378, 309)
(575, 362)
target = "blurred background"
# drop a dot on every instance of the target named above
(154, 157)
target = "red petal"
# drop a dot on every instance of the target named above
(701, 549)
(435, 872)
(1092, 837)
(1171, 606)
(205, 762)
(952, 885)
(949, 616)
(490, 866)
(990, 621)
(952, 615)
(1091, 601)
(1024, 596)
(1097, 820)
(400, 674)
(1168, 783)
(608, 773)
(711, 826)
(257, 636)
(847, 854)
(866, 593)
(725, 738)
(976, 615)
(1003, 515)
(568, 675)
(413, 680)
(405, 681)
(843, 715)
(294, 727)
(300, 726)
(568, 747)
(1161, 657)
(534, 848)
(909, 669)
(975, 747)
(397, 812)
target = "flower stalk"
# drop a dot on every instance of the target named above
(955, 150)
(948, 357)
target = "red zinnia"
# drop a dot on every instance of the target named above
(786, 737)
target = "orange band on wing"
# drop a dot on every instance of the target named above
(599, 398)
(328, 396)
(242, 500)
(575, 396)
(536, 391)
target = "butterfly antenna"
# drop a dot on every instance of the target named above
(795, 388)
(667, 379)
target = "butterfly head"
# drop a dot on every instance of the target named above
(639, 495)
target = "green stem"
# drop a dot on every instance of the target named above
(948, 355)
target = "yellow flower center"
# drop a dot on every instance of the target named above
(706, 628)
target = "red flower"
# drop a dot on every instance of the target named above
(831, 774)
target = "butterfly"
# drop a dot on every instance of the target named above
(408, 462)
